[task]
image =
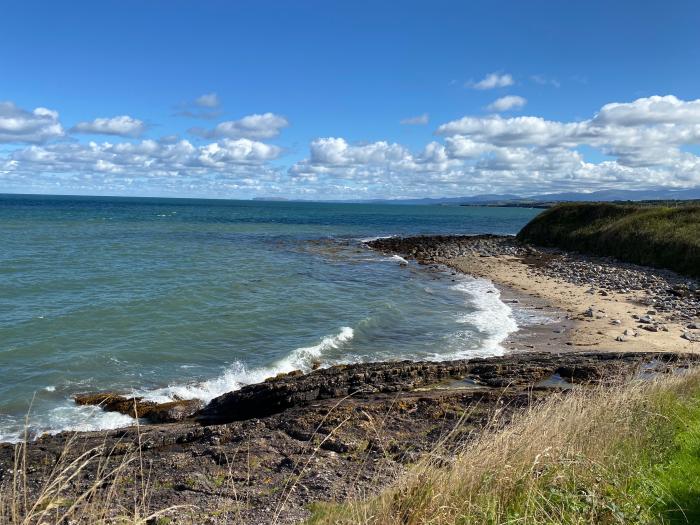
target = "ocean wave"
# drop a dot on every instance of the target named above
(492, 318)
(238, 375)
(370, 239)
(65, 418)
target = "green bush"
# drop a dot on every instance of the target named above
(660, 236)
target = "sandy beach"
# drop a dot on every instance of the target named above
(599, 332)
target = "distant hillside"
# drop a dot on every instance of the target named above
(548, 199)
(652, 235)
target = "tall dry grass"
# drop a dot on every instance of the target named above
(583, 457)
(61, 495)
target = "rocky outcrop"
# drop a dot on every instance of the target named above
(170, 412)
(319, 447)
(362, 380)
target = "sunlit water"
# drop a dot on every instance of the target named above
(193, 298)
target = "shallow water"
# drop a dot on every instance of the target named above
(194, 298)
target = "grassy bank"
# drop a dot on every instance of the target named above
(622, 454)
(659, 236)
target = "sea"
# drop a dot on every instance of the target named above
(190, 298)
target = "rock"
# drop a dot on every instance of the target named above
(621, 339)
(645, 319)
(695, 338)
(694, 326)
(174, 411)
(170, 412)
(616, 322)
(651, 328)
(589, 313)
(629, 333)
(358, 381)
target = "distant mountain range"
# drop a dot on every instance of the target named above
(511, 199)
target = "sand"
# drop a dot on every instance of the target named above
(573, 328)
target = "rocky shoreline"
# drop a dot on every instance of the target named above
(265, 452)
(275, 447)
(674, 297)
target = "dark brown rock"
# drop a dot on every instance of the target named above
(170, 412)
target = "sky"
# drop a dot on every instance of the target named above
(348, 99)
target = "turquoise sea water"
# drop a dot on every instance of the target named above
(193, 298)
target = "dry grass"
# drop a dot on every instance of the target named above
(61, 495)
(592, 456)
(623, 453)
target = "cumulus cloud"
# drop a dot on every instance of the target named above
(646, 141)
(123, 126)
(650, 111)
(205, 107)
(507, 103)
(420, 120)
(264, 126)
(491, 81)
(21, 126)
(145, 157)
(208, 100)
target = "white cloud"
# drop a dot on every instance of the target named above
(256, 126)
(123, 126)
(643, 139)
(208, 100)
(205, 107)
(507, 103)
(650, 111)
(644, 143)
(491, 81)
(420, 120)
(543, 80)
(146, 158)
(20, 126)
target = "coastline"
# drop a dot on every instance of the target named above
(614, 307)
(519, 281)
(348, 431)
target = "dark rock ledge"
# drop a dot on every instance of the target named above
(342, 432)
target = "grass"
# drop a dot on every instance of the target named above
(59, 496)
(660, 236)
(627, 454)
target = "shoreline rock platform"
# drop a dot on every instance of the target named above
(272, 448)
(275, 447)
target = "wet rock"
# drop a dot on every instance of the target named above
(170, 412)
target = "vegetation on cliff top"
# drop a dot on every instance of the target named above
(661, 236)
(623, 454)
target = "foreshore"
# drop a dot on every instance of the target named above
(262, 454)
(599, 304)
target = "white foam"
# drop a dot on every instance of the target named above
(492, 318)
(50, 388)
(65, 418)
(399, 259)
(237, 375)
(370, 239)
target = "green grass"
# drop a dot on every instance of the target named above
(660, 236)
(621, 455)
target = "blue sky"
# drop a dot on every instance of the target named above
(310, 97)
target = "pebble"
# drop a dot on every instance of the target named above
(662, 292)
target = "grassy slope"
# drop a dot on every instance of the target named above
(660, 236)
(627, 454)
